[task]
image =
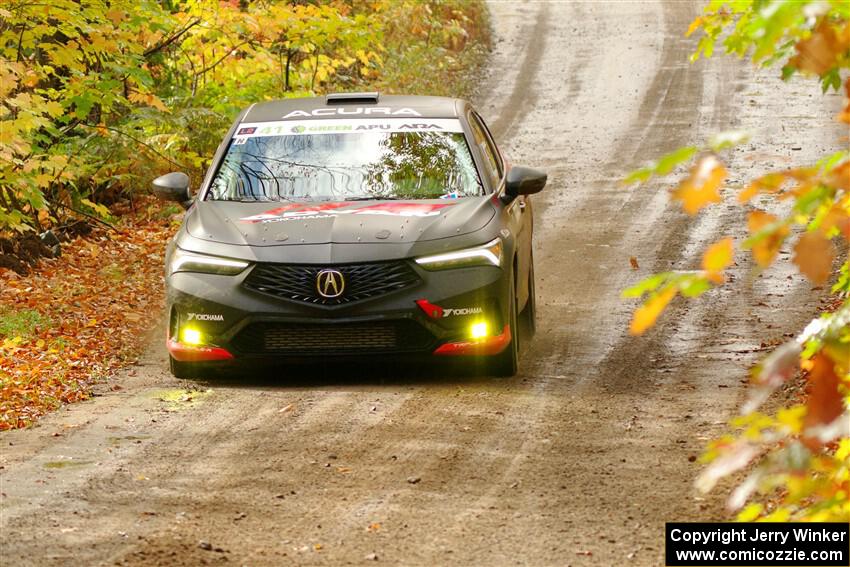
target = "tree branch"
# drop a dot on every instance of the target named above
(162, 45)
(212, 66)
(138, 141)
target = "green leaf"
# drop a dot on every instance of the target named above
(668, 162)
(648, 285)
(728, 139)
(663, 166)
(694, 286)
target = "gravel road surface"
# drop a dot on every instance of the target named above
(579, 460)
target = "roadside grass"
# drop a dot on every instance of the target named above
(20, 322)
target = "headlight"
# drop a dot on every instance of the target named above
(183, 261)
(489, 254)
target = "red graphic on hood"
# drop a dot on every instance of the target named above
(295, 208)
(406, 209)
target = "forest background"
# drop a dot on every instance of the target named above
(99, 97)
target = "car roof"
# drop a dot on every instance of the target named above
(370, 105)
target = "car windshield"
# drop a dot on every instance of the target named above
(347, 160)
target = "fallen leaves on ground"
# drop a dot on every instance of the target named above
(98, 302)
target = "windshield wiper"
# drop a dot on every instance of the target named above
(373, 198)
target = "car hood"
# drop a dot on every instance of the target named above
(345, 222)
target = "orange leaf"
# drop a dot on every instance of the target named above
(765, 250)
(819, 53)
(769, 183)
(840, 177)
(646, 315)
(694, 26)
(116, 16)
(701, 187)
(154, 101)
(717, 258)
(825, 402)
(814, 254)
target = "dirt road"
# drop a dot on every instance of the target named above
(579, 460)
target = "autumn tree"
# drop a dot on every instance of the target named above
(798, 458)
(97, 96)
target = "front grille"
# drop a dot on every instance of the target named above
(336, 338)
(362, 281)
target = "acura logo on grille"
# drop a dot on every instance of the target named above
(330, 283)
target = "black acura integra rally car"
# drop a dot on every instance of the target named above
(352, 225)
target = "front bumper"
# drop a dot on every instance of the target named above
(230, 322)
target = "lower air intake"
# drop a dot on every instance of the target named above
(333, 339)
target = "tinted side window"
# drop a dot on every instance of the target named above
(482, 140)
(492, 142)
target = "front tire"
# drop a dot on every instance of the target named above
(528, 317)
(506, 363)
(183, 370)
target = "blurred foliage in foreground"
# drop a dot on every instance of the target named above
(798, 459)
(98, 96)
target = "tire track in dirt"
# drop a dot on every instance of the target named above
(523, 96)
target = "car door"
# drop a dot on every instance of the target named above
(518, 210)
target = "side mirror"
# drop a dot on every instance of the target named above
(173, 186)
(524, 181)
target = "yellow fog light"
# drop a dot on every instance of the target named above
(478, 330)
(191, 336)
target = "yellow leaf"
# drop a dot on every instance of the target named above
(361, 55)
(843, 452)
(814, 254)
(646, 315)
(778, 515)
(701, 187)
(53, 108)
(792, 418)
(717, 258)
(750, 513)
